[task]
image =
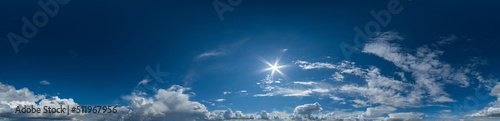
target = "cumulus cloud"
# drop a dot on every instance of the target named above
(228, 114)
(306, 111)
(496, 91)
(494, 110)
(169, 103)
(45, 82)
(12, 98)
(264, 115)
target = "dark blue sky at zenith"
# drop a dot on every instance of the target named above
(429, 62)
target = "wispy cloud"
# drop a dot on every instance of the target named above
(424, 65)
(212, 53)
(45, 82)
(220, 100)
(305, 83)
(223, 50)
(447, 39)
(316, 65)
(143, 82)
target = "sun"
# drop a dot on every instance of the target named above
(274, 67)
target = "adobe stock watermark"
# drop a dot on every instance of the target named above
(152, 79)
(221, 7)
(470, 103)
(371, 28)
(40, 19)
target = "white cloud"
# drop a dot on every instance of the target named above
(424, 65)
(306, 111)
(211, 103)
(379, 88)
(360, 103)
(223, 50)
(406, 116)
(305, 83)
(336, 98)
(241, 92)
(447, 40)
(220, 100)
(166, 104)
(171, 104)
(293, 92)
(228, 114)
(301, 112)
(298, 93)
(445, 111)
(264, 115)
(496, 91)
(12, 98)
(263, 95)
(45, 82)
(337, 77)
(494, 110)
(377, 111)
(316, 65)
(296, 88)
(143, 82)
(211, 54)
(385, 96)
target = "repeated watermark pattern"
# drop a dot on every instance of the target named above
(221, 7)
(40, 19)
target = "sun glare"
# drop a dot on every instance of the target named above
(274, 67)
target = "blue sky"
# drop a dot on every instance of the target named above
(432, 60)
